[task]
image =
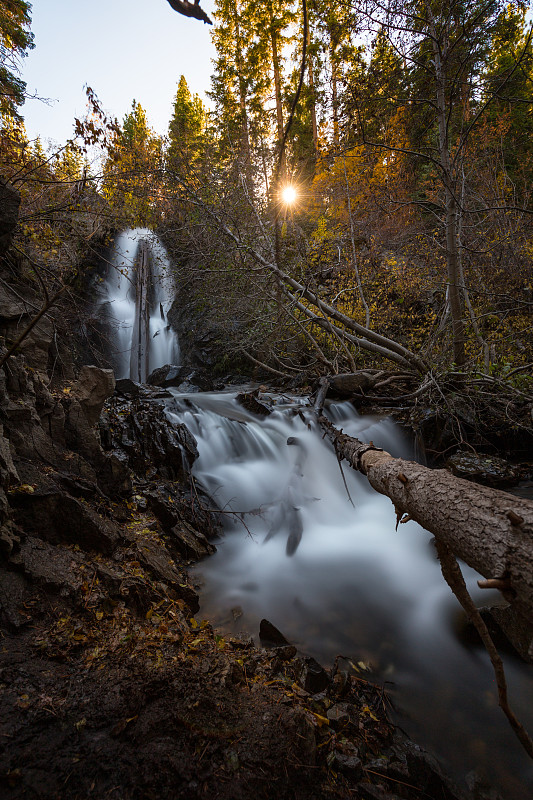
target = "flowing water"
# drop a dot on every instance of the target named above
(352, 585)
(117, 302)
(315, 551)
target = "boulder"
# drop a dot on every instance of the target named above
(190, 543)
(57, 517)
(128, 388)
(488, 470)
(93, 387)
(186, 379)
(270, 635)
(151, 441)
(112, 469)
(250, 401)
(313, 677)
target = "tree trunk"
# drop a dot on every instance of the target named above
(452, 239)
(492, 531)
(312, 92)
(242, 99)
(274, 41)
(334, 94)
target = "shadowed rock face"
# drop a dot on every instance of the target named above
(9, 210)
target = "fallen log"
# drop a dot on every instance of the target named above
(491, 530)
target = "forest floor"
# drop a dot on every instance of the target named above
(104, 699)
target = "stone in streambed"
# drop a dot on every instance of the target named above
(313, 677)
(250, 402)
(488, 470)
(185, 379)
(270, 636)
(350, 765)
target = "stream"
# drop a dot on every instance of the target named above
(354, 585)
(314, 549)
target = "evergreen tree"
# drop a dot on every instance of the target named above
(186, 131)
(508, 80)
(15, 40)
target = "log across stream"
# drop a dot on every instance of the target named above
(353, 586)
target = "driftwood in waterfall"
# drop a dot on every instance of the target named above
(139, 366)
(490, 530)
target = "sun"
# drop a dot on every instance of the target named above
(288, 195)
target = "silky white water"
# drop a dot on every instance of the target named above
(354, 585)
(117, 301)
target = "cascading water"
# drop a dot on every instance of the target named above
(353, 585)
(135, 300)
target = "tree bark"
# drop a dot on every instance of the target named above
(491, 530)
(440, 53)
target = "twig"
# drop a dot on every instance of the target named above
(454, 578)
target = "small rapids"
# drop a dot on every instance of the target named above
(314, 549)
(117, 301)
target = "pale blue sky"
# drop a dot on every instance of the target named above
(124, 49)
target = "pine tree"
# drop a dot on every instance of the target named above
(186, 131)
(15, 40)
(510, 66)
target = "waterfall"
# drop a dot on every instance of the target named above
(323, 561)
(135, 299)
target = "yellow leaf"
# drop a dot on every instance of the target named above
(366, 710)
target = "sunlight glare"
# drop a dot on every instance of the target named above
(288, 194)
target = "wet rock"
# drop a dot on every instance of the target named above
(313, 678)
(250, 401)
(14, 593)
(149, 438)
(428, 776)
(157, 559)
(183, 378)
(8, 473)
(112, 469)
(286, 653)
(510, 630)
(270, 636)
(58, 517)
(127, 387)
(350, 765)
(164, 506)
(135, 592)
(114, 475)
(241, 642)
(49, 566)
(306, 738)
(480, 789)
(340, 715)
(190, 543)
(93, 387)
(488, 470)
(15, 316)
